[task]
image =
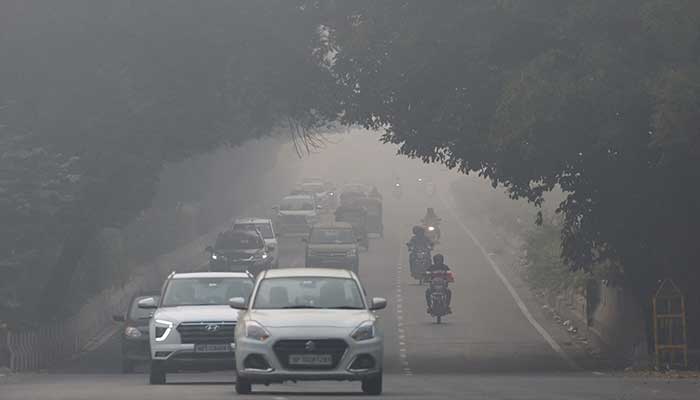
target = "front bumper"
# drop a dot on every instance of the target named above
(277, 372)
(176, 357)
(136, 349)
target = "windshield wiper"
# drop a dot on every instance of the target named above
(344, 308)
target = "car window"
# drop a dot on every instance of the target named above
(264, 228)
(205, 291)
(140, 313)
(332, 236)
(232, 240)
(308, 292)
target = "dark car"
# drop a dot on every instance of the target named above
(134, 334)
(239, 251)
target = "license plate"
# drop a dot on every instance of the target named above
(212, 348)
(311, 359)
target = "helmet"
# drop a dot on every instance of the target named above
(438, 259)
(418, 230)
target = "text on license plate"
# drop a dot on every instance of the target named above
(310, 359)
(212, 348)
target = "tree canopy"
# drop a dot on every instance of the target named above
(597, 97)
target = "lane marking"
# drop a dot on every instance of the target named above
(521, 305)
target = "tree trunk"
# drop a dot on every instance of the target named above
(53, 297)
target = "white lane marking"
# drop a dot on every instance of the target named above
(523, 309)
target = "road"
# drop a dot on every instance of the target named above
(496, 345)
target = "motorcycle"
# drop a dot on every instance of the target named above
(432, 231)
(421, 261)
(397, 190)
(439, 295)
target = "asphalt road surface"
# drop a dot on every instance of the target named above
(497, 344)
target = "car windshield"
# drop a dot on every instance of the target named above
(331, 236)
(297, 204)
(205, 291)
(312, 187)
(309, 292)
(238, 240)
(264, 228)
(140, 313)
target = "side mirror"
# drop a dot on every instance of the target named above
(118, 318)
(237, 303)
(209, 249)
(276, 208)
(148, 303)
(378, 303)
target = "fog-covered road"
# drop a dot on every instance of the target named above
(496, 345)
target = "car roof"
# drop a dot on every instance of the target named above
(330, 225)
(185, 275)
(252, 221)
(307, 272)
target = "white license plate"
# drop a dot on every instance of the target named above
(311, 359)
(212, 348)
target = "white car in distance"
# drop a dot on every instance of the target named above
(308, 324)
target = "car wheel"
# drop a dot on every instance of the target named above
(157, 374)
(243, 386)
(372, 385)
(127, 366)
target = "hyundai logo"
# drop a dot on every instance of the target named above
(310, 346)
(211, 328)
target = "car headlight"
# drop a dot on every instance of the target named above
(352, 252)
(163, 329)
(214, 256)
(364, 331)
(255, 331)
(263, 256)
(132, 332)
(431, 228)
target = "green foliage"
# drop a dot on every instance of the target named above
(596, 97)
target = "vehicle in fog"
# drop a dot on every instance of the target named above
(309, 324)
(239, 251)
(375, 222)
(134, 333)
(438, 293)
(356, 216)
(332, 245)
(267, 231)
(420, 258)
(296, 214)
(192, 327)
(431, 224)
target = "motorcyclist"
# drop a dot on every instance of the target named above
(438, 266)
(431, 217)
(418, 241)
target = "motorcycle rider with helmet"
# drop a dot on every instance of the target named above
(418, 241)
(438, 266)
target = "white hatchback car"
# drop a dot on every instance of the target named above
(308, 324)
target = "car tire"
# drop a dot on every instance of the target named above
(372, 385)
(157, 374)
(127, 366)
(243, 386)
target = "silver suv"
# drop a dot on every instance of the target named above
(192, 327)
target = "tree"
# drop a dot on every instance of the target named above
(121, 88)
(597, 97)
